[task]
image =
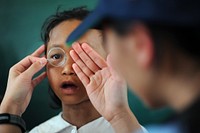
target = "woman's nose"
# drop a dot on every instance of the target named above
(67, 68)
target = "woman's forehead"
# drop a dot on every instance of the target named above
(59, 34)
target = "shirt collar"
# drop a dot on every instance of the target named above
(64, 125)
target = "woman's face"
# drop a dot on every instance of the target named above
(63, 80)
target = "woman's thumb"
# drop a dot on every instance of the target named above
(35, 67)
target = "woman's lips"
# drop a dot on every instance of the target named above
(69, 88)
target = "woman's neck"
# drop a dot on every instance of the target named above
(79, 114)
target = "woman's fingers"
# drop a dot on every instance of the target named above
(99, 61)
(91, 64)
(28, 61)
(81, 75)
(80, 63)
(24, 64)
(39, 51)
(35, 67)
(39, 78)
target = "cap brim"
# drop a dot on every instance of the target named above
(91, 21)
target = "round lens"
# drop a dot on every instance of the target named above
(56, 57)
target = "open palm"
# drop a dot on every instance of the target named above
(106, 90)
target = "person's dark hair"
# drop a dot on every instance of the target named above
(176, 39)
(76, 13)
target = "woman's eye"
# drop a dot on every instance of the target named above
(56, 56)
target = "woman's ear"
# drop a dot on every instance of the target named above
(141, 45)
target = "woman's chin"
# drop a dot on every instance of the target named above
(74, 101)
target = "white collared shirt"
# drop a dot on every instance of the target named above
(58, 125)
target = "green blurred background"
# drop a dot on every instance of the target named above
(20, 24)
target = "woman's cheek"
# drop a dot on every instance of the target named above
(52, 75)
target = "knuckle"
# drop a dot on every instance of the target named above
(82, 53)
(29, 56)
(88, 61)
(91, 64)
(11, 69)
(85, 69)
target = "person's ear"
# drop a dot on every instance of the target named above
(142, 45)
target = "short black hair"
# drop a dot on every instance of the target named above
(177, 38)
(51, 22)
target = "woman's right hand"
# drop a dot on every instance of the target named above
(21, 84)
(106, 89)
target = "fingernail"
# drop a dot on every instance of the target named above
(43, 62)
(70, 52)
(84, 45)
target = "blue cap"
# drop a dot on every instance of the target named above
(173, 12)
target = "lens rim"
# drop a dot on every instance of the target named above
(62, 63)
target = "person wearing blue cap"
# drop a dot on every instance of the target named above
(155, 45)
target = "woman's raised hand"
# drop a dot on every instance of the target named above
(106, 89)
(21, 84)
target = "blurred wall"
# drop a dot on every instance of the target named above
(20, 24)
